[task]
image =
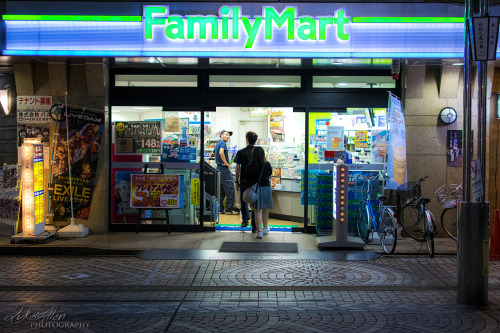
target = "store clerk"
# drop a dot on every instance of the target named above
(226, 177)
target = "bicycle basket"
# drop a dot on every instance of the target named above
(448, 195)
(408, 191)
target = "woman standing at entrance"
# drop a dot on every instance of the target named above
(265, 200)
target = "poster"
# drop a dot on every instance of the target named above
(454, 148)
(138, 137)
(396, 159)
(85, 134)
(379, 146)
(335, 138)
(361, 139)
(36, 132)
(156, 191)
(34, 109)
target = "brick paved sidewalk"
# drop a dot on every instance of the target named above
(126, 294)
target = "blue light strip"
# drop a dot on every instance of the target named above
(126, 39)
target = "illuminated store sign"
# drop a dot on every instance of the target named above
(32, 187)
(210, 29)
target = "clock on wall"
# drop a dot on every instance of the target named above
(448, 115)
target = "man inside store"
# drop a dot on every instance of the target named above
(226, 177)
(242, 159)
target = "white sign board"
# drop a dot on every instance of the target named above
(33, 109)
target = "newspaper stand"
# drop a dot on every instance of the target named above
(140, 218)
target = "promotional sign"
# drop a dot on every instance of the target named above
(335, 138)
(379, 146)
(138, 137)
(396, 160)
(156, 191)
(195, 191)
(454, 148)
(361, 139)
(33, 132)
(34, 109)
(33, 216)
(292, 30)
(85, 135)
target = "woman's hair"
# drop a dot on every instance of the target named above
(258, 156)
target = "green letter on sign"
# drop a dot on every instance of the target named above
(271, 15)
(149, 20)
(340, 20)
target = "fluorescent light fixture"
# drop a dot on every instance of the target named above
(342, 84)
(273, 85)
(141, 108)
(458, 64)
(4, 100)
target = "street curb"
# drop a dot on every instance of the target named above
(65, 251)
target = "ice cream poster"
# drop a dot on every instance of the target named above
(156, 191)
(379, 146)
(396, 157)
(335, 138)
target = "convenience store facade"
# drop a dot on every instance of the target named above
(215, 63)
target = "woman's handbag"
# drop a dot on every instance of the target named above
(251, 194)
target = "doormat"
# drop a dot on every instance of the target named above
(237, 227)
(259, 247)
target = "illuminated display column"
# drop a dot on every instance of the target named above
(32, 187)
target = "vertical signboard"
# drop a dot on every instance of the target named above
(85, 133)
(32, 189)
(396, 160)
(454, 148)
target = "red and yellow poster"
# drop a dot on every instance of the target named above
(156, 191)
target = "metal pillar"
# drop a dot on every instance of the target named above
(472, 252)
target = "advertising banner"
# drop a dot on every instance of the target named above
(33, 109)
(156, 191)
(379, 146)
(454, 148)
(396, 160)
(138, 137)
(85, 134)
(335, 138)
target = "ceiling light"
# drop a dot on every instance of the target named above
(141, 108)
(273, 85)
(336, 62)
(458, 64)
(342, 84)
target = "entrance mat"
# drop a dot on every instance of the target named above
(259, 247)
(237, 227)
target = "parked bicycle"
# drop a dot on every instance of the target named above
(416, 220)
(448, 196)
(385, 224)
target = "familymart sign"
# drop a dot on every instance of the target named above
(243, 30)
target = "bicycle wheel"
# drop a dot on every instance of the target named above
(387, 231)
(449, 222)
(430, 227)
(412, 223)
(362, 221)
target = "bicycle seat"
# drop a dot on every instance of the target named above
(425, 200)
(383, 198)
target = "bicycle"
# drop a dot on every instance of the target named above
(385, 224)
(448, 196)
(416, 220)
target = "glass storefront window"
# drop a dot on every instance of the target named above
(149, 135)
(351, 82)
(156, 80)
(254, 81)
